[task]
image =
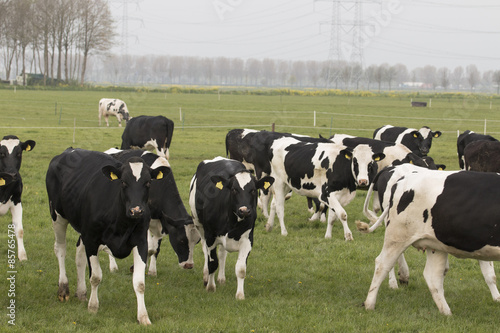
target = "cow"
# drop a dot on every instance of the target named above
(419, 141)
(325, 170)
(106, 202)
(482, 156)
(11, 152)
(465, 139)
(113, 107)
(168, 214)
(149, 132)
(251, 147)
(443, 212)
(223, 201)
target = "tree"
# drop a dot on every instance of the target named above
(473, 76)
(22, 29)
(96, 30)
(444, 77)
(390, 75)
(496, 79)
(370, 74)
(429, 75)
(457, 76)
(269, 70)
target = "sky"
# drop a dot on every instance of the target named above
(445, 33)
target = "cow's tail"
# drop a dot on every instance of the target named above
(370, 215)
(365, 227)
(227, 146)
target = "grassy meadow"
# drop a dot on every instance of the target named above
(298, 283)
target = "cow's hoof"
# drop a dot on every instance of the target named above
(93, 307)
(22, 256)
(221, 280)
(269, 227)
(81, 295)
(403, 283)
(211, 288)
(144, 320)
(63, 292)
(348, 237)
(240, 296)
(284, 233)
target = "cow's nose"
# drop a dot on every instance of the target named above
(243, 211)
(363, 182)
(136, 211)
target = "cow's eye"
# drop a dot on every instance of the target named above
(148, 184)
(252, 191)
(124, 185)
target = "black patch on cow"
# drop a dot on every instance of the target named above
(426, 215)
(321, 155)
(325, 163)
(466, 214)
(298, 162)
(405, 200)
(308, 186)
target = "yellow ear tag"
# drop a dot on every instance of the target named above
(377, 159)
(411, 162)
(347, 156)
(266, 185)
(160, 175)
(414, 135)
(28, 148)
(436, 135)
(441, 169)
(113, 176)
(219, 185)
(2, 182)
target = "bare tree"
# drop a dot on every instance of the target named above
(253, 67)
(269, 70)
(473, 76)
(429, 75)
(96, 30)
(370, 74)
(22, 29)
(390, 75)
(444, 77)
(496, 79)
(458, 74)
(380, 74)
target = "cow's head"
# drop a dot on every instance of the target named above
(364, 164)
(135, 177)
(183, 236)
(123, 111)
(427, 135)
(242, 189)
(11, 152)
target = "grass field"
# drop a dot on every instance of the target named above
(298, 283)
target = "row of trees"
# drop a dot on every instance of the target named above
(53, 37)
(269, 72)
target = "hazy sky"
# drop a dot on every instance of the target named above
(416, 33)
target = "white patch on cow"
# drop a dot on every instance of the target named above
(426, 132)
(136, 169)
(160, 161)
(401, 136)
(247, 131)
(243, 178)
(363, 155)
(10, 144)
(339, 138)
(381, 131)
(216, 159)
(112, 151)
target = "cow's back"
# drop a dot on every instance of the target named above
(482, 156)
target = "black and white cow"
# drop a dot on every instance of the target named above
(325, 170)
(149, 132)
(465, 139)
(443, 212)
(482, 156)
(11, 152)
(113, 107)
(106, 202)
(168, 214)
(223, 201)
(419, 141)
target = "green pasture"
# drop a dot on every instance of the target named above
(299, 283)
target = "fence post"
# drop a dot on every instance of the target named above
(180, 113)
(314, 118)
(74, 130)
(485, 127)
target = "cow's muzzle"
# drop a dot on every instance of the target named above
(363, 182)
(243, 212)
(135, 212)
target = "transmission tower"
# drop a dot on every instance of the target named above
(346, 45)
(125, 36)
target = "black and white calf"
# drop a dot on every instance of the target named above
(419, 141)
(223, 201)
(113, 107)
(444, 213)
(168, 214)
(149, 132)
(325, 170)
(11, 152)
(464, 139)
(106, 202)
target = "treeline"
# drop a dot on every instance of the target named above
(53, 37)
(223, 71)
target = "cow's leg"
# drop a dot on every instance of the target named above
(107, 120)
(489, 276)
(95, 280)
(213, 263)
(264, 201)
(342, 215)
(60, 226)
(81, 265)
(434, 276)
(272, 213)
(279, 202)
(119, 117)
(241, 266)
(113, 266)
(404, 271)
(138, 281)
(221, 276)
(17, 220)
(153, 247)
(329, 226)
(383, 264)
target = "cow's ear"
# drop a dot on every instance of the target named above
(378, 157)
(347, 153)
(111, 172)
(415, 134)
(5, 179)
(264, 183)
(219, 181)
(441, 166)
(160, 172)
(28, 145)
(436, 134)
